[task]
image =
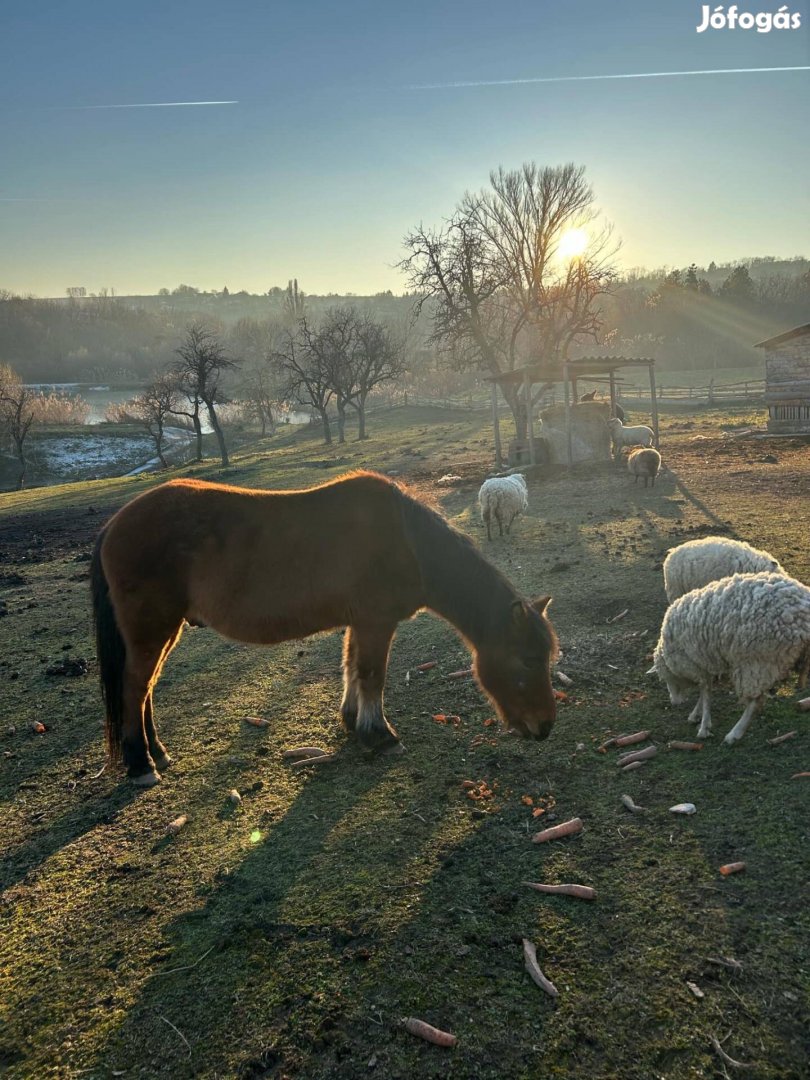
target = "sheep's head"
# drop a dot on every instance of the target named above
(678, 688)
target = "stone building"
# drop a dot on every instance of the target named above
(787, 381)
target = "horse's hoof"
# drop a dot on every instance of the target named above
(147, 779)
(163, 762)
(392, 750)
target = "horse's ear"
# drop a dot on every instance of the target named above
(541, 603)
(518, 612)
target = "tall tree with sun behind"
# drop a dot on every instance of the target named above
(515, 274)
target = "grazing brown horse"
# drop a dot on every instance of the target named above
(268, 566)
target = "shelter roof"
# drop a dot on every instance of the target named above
(582, 366)
(780, 339)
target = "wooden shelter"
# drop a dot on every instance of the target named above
(569, 372)
(787, 381)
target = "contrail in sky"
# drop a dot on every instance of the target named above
(594, 78)
(147, 105)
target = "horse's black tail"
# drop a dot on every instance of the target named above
(111, 653)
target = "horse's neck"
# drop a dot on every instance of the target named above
(460, 585)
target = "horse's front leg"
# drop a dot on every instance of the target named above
(366, 661)
(349, 704)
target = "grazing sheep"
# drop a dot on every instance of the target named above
(502, 497)
(644, 463)
(750, 628)
(622, 435)
(697, 562)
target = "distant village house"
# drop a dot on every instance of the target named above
(787, 381)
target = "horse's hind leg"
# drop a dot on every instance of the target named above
(369, 650)
(139, 742)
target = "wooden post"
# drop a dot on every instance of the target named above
(527, 383)
(654, 402)
(569, 442)
(496, 427)
(613, 401)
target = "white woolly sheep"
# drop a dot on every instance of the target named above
(627, 435)
(502, 497)
(644, 463)
(749, 628)
(697, 562)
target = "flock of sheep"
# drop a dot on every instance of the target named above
(734, 614)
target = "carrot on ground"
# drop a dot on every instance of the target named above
(428, 666)
(301, 752)
(459, 674)
(628, 740)
(568, 828)
(639, 755)
(732, 868)
(782, 738)
(257, 721)
(800, 776)
(175, 826)
(676, 744)
(429, 1033)
(533, 968)
(631, 806)
(631, 766)
(582, 892)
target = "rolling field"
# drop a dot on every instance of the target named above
(290, 935)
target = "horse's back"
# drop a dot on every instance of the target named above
(267, 565)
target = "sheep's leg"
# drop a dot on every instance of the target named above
(499, 519)
(705, 729)
(487, 519)
(694, 715)
(741, 726)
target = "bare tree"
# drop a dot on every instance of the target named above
(152, 408)
(16, 414)
(378, 358)
(500, 290)
(254, 341)
(303, 375)
(201, 365)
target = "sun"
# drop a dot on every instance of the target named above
(572, 243)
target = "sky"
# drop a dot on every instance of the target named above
(347, 132)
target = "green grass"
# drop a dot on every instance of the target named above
(290, 935)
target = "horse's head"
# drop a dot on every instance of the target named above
(515, 671)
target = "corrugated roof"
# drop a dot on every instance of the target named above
(780, 339)
(584, 365)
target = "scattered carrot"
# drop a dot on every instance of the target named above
(676, 744)
(628, 740)
(582, 892)
(459, 674)
(631, 766)
(804, 704)
(38, 728)
(568, 828)
(566, 680)
(616, 618)
(559, 695)
(782, 738)
(175, 826)
(639, 755)
(732, 868)
(429, 1033)
(607, 743)
(257, 721)
(469, 784)
(301, 752)
(533, 968)
(628, 802)
(320, 760)
(800, 776)
(447, 718)
(428, 666)
(538, 811)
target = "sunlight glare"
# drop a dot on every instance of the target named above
(572, 243)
